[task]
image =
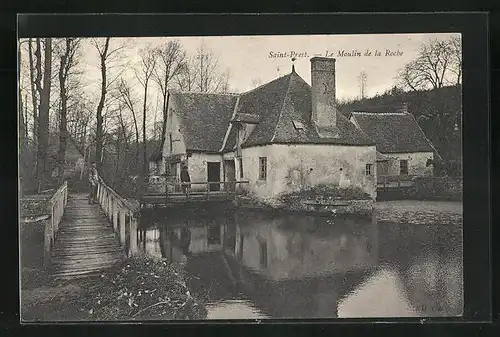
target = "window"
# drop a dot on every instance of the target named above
(369, 169)
(262, 168)
(403, 167)
(241, 166)
(171, 142)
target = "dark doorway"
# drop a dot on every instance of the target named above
(213, 175)
(213, 235)
(230, 175)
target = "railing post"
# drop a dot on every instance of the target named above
(47, 247)
(122, 226)
(115, 214)
(110, 207)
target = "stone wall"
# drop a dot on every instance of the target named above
(294, 167)
(416, 163)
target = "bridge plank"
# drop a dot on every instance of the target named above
(86, 243)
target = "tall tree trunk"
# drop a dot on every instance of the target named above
(99, 132)
(165, 116)
(33, 92)
(43, 173)
(144, 171)
(22, 133)
(63, 111)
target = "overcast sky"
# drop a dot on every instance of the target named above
(249, 57)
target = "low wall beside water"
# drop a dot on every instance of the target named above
(318, 205)
(426, 188)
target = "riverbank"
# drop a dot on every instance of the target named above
(140, 288)
(420, 212)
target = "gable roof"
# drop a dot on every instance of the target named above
(284, 102)
(275, 107)
(53, 148)
(393, 132)
(204, 118)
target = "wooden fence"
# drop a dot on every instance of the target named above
(56, 208)
(123, 214)
(193, 191)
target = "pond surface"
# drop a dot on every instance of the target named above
(252, 265)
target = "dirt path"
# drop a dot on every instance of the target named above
(420, 212)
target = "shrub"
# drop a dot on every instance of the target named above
(325, 192)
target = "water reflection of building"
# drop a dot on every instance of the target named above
(302, 266)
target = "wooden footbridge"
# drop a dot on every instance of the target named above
(82, 239)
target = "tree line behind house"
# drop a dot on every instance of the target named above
(430, 88)
(116, 115)
(116, 118)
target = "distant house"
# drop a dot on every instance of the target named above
(282, 136)
(402, 148)
(74, 158)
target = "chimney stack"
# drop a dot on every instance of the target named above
(403, 108)
(324, 111)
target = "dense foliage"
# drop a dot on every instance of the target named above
(325, 192)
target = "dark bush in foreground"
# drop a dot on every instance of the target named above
(141, 289)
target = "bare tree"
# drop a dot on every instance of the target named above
(171, 62)
(107, 55)
(437, 65)
(456, 59)
(256, 82)
(43, 113)
(68, 62)
(202, 73)
(32, 89)
(187, 76)
(144, 74)
(126, 97)
(362, 79)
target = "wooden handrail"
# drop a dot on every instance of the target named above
(118, 209)
(56, 207)
(206, 182)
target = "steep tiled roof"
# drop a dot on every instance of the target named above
(231, 140)
(276, 107)
(204, 118)
(393, 132)
(288, 100)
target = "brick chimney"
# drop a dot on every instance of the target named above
(403, 108)
(324, 112)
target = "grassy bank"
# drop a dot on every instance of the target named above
(140, 288)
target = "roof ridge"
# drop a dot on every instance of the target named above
(428, 140)
(230, 126)
(281, 110)
(379, 113)
(175, 91)
(263, 85)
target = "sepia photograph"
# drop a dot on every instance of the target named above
(245, 177)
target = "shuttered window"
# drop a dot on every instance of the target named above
(369, 169)
(262, 168)
(403, 167)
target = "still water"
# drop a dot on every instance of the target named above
(251, 265)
